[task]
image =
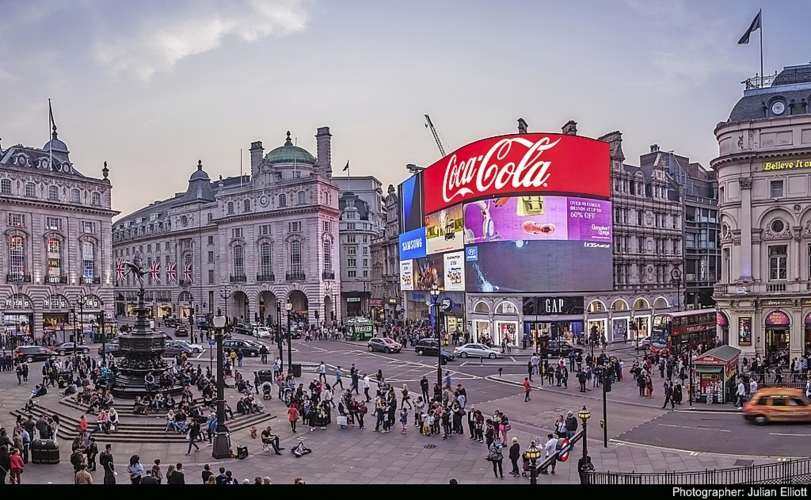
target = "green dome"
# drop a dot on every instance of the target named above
(290, 154)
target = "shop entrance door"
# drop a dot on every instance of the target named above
(777, 345)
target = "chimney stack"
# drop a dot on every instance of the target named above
(257, 153)
(654, 148)
(324, 150)
(570, 128)
(522, 126)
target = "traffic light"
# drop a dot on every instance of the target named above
(606, 383)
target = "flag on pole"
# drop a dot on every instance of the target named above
(119, 270)
(171, 272)
(752, 28)
(187, 272)
(346, 167)
(156, 271)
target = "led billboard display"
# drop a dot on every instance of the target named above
(537, 218)
(455, 271)
(411, 203)
(412, 244)
(429, 270)
(519, 164)
(444, 230)
(539, 266)
(406, 275)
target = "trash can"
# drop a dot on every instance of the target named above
(44, 451)
(296, 369)
(242, 452)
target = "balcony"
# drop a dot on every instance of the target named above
(90, 280)
(18, 278)
(55, 280)
(776, 287)
(294, 277)
(328, 275)
(238, 278)
(265, 277)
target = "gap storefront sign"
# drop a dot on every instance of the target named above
(412, 244)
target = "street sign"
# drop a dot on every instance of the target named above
(563, 449)
(446, 304)
(212, 342)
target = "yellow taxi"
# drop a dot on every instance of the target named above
(778, 404)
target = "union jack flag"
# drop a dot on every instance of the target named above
(187, 272)
(120, 270)
(171, 273)
(155, 272)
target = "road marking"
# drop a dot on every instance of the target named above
(695, 428)
(319, 349)
(463, 364)
(785, 434)
(512, 358)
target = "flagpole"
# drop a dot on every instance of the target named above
(50, 146)
(760, 14)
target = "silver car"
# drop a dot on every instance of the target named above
(476, 351)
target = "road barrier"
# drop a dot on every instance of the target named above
(788, 472)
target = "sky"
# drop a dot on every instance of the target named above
(153, 86)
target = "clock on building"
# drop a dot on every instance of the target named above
(778, 107)
(184, 221)
(263, 200)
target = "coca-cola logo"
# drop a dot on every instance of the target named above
(516, 165)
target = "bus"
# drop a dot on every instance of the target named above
(674, 332)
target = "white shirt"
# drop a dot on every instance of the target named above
(741, 390)
(322, 368)
(551, 447)
(752, 386)
(366, 383)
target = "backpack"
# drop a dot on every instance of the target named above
(362, 408)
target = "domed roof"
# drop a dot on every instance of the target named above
(290, 154)
(199, 174)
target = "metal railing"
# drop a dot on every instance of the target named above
(18, 278)
(788, 472)
(238, 278)
(328, 275)
(294, 276)
(265, 277)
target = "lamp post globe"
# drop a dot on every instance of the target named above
(434, 298)
(222, 443)
(533, 454)
(585, 415)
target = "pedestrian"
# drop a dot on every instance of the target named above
(292, 416)
(495, 456)
(5, 463)
(515, 454)
(135, 469)
(367, 384)
(106, 461)
(530, 369)
(83, 477)
(668, 388)
(584, 466)
(16, 466)
(571, 425)
(740, 394)
(424, 385)
(527, 389)
(403, 419)
(322, 372)
(338, 380)
(551, 449)
(177, 476)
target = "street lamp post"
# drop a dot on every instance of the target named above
(225, 293)
(690, 374)
(585, 415)
(222, 443)
(279, 333)
(533, 454)
(434, 297)
(675, 276)
(289, 307)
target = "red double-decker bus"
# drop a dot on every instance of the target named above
(673, 332)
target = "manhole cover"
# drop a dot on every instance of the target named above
(744, 463)
(429, 446)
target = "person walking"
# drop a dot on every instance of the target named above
(367, 384)
(530, 369)
(496, 457)
(551, 449)
(527, 389)
(668, 388)
(106, 461)
(135, 469)
(338, 380)
(194, 433)
(424, 385)
(322, 372)
(16, 466)
(515, 454)
(292, 416)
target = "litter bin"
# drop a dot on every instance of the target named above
(44, 451)
(296, 369)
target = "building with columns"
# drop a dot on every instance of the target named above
(241, 244)
(764, 179)
(386, 299)
(57, 242)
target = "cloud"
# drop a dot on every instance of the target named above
(158, 45)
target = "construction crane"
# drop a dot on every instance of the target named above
(430, 125)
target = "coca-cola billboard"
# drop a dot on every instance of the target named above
(519, 164)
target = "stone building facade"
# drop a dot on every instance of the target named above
(386, 299)
(764, 179)
(57, 242)
(241, 244)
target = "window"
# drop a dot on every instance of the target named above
(351, 215)
(88, 260)
(53, 223)
(328, 256)
(776, 189)
(5, 186)
(230, 208)
(350, 238)
(16, 220)
(294, 227)
(365, 274)
(265, 230)
(702, 238)
(95, 199)
(166, 244)
(690, 240)
(282, 200)
(210, 242)
(239, 260)
(777, 226)
(365, 262)
(16, 257)
(351, 250)
(350, 226)
(675, 221)
(53, 193)
(266, 259)
(352, 262)
(149, 249)
(54, 257)
(75, 197)
(210, 257)
(352, 274)
(88, 227)
(327, 226)
(236, 232)
(30, 190)
(777, 262)
(365, 249)
(210, 217)
(246, 206)
(302, 198)
(295, 257)
(210, 276)
(721, 194)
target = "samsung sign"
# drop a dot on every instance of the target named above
(412, 244)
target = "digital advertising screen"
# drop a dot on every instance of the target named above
(444, 230)
(429, 270)
(411, 203)
(412, 244)
(539, 266)
(406, 275)
(538, 218)
(455, 271)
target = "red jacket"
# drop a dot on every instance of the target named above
(292, 413)
(527, 386)
(16, 462)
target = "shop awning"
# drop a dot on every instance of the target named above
(709, 368)
(720, 356)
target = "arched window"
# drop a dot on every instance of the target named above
(5, 186)
(16, 257)
(54, 257)
(295, 257)
(302, 198)
(53, 193)
(95, 199)
(30, 190)
(88, 260)
(239, 260)
(481, 307)
(327, 256)
(282, 200)
(266, 259)
(247, 206)
(75, 196)
(230, 207)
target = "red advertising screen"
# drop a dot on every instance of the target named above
(519, 164)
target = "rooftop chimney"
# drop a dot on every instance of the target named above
(570, 128)
(257, 152)
(522, 126)
(324, 150)
(654, 148)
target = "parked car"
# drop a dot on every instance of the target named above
(243, 328)
(476, 351)
(70, 347)
(171, 322)
(174, 347)
(383, 344)
(181, 331)
(777, 404)
(195, 348)
(249, 348)
(428, 347)
(562, 348)
(31, 353)
(261, 332)
(112, 347)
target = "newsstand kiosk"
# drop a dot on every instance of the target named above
(716, 372)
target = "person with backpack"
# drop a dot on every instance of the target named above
(496, 457)
(106, 462)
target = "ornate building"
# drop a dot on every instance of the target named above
(386, 299)
(57, 250)
(241, 243)
(764, 169)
